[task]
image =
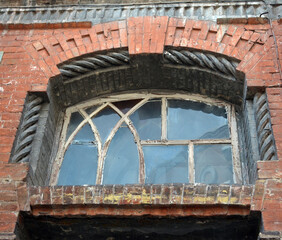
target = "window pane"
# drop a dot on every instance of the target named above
(147, 121)
(84, 134)
(75, 120)
(122, 161)
(105, 122)
(166, 164)
(91, 109)
(191, 120)
(79, 166)
(125, 106)
(213, 164)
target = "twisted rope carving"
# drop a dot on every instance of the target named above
(204, 60)
(28, 129)
(264, 130)
(93, 63)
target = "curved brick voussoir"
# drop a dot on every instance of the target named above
(151, 35)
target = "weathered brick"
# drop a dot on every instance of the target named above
(166, 194)
(146, 194)
(78, 194)
(200, 193)
(57, 195)
(188, 194)
(67, 194)
(212, 192)
(223, 194)
(108, 194)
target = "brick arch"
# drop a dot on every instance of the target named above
(44, 50)
(143, 35)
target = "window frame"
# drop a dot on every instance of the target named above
(124, 118)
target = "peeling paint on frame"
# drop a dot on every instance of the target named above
(124, 118)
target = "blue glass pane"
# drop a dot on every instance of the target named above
(147, 121)
(122, 161)
(79, 166)
(213, 164)
(91, 109)
(85, 134)
(166, 164)
(75, 120)
(194, 120)
(105, 122)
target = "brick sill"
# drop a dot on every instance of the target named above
(171, 200)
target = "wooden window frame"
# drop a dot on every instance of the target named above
(124, 118)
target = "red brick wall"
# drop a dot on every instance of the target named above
(13, 194)
(31, 53)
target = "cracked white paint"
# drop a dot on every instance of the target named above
(102, 150)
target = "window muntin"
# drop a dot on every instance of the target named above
(129, 134)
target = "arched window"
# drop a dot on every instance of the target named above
(148, 138)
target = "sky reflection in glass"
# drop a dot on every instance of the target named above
(213, 164)
(165, 161)
(75, 120)
(85, 134)
(147, 121)
(105, 122)
(191, 120)
(79, 166)
(166, 164)
(122, 161)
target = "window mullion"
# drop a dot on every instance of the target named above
(191, 165)
(164, 119)
(98, 139)
(111, 135)
(237, 175)
(137, 140)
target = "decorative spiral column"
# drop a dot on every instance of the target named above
(27, 129)
(264, 129)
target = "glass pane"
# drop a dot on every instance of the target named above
(166, 164)
(122, 161)
(147, 121)
(213, 164)
(84, 134)
(91, 109)
(192, 120)
(75, 120)
(125, 106)
(105, 122)
(79, 166)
